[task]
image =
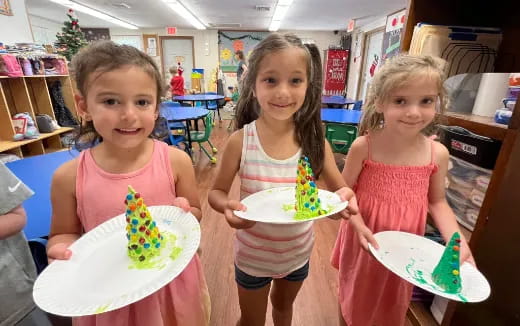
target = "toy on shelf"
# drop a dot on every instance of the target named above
(24, 127)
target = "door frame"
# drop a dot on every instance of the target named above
(366, 39)
(161, 41)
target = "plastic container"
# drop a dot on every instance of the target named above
(476, 149)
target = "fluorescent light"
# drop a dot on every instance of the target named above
(275, 25)
(282, 6)
(94, 13)
(185, 13)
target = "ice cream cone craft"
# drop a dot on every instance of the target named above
(447, 272)
(144, 239)
(308, 204)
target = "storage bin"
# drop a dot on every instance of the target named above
(476, 149)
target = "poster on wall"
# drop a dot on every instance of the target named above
(96, 34)
(5, 8)
(335, 72)
(230, 42)
(392, 37)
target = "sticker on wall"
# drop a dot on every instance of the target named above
(5, 8)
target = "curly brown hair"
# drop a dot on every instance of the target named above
(101, 57)
(308, 126)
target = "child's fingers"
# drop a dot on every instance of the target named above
(59, 251)
(182, 203)
(236, 205)
(237, 222)
(370, 237)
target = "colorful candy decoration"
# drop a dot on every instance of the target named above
(144, 238)
(308, 204)
(447, 272)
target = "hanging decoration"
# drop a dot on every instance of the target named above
(231, 36)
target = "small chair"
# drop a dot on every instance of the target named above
(358, 105)
(215, 106)
(340, 136)
(203, 136)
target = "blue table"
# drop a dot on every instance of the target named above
(36, 172)
(336, 100)
(182, 113)
(341, 116)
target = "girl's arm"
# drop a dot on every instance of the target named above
(185, 182)
(65, 225)
(218, 196)
(12, 222)
(438, 206)
(335, 182)
(357, 153)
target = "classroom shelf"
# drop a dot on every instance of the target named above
(7, 145)
(485, 126)
(30, 94)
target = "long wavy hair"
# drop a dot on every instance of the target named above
(395, 73)
(101, 57)
(307, 120)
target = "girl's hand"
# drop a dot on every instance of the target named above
(344, 194)
(182, 203)
(233, 220)
(365, 236)
(59, 251)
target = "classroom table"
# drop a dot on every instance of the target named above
(36, 172)
(198, 98)
(337, 100)
(341, 116)
(184, 113)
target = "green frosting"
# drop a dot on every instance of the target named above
(447, 272)
(308, 205)
(144, 239)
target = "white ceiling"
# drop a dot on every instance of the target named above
(324, 15)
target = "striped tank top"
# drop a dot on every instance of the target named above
(269, 250)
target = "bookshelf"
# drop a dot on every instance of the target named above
(497, 230)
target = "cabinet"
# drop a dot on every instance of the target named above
(495, 239)
(31, 94)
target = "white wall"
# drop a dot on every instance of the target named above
(44, 30)
(16, 28)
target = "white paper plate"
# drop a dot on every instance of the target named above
(99, 276)
(414, 258)
(268, 206)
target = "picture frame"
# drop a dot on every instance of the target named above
(5, 8)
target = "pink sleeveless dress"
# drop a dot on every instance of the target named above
(390, 197)
(100, 196)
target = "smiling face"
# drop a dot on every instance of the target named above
(122, 104)
(410, 108)
(281, 83)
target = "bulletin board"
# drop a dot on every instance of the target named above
(230, 42)
(133, 40)
(392, 36)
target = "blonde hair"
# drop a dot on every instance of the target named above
(395, 73)
(173, 70)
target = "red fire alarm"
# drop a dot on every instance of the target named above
(171, 30)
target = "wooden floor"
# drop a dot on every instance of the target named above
(316, 304)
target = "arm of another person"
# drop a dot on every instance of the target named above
(440, 211)
(219, 194)
(185, 182)
(357, 153)
(65, 225)
(12, 222)
(335, 182)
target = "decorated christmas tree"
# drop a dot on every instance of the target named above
(71, 38)
(144, 239)
(308, 204)
(447, 272)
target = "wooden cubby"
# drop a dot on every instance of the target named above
(31, 94)
(495, 239)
